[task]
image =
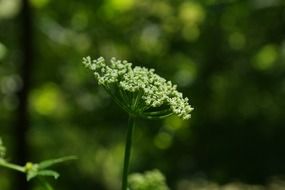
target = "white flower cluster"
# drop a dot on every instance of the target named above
(148, 181)
(151, 90)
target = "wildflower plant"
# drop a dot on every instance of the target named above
(140, 92)
(34, 170)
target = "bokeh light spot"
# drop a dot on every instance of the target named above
(10, 84)
(237, 40)
(39, 3)
(9, 8)
(3, 51)
(149, 40)
(266, 57)
(190, 32)
(121, 5)
(79, 20)
(174, 123)
(163, 140)
(47, 100)
(187, 71)
(191, 13)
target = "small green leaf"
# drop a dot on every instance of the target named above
(35, 170)
(31, 174)
(51, 173)
(48, 163)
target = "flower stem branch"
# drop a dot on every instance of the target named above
(131, 125)
(5, 164)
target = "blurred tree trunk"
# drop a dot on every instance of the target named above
(22, 125)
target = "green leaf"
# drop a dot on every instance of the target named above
(39, 169)
(51, 173)
(31, 174)
(48, 163)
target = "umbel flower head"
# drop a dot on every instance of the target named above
(138, 90)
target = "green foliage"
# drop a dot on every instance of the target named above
(150, 180)
(41, 169)
(33, 170)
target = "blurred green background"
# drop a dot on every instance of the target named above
(227, 56)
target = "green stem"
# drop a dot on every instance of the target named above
(45, 184)
(5, 164)
(131, 125)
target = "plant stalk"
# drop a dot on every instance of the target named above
(131, 125)
(12, 166)
(45, 184)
